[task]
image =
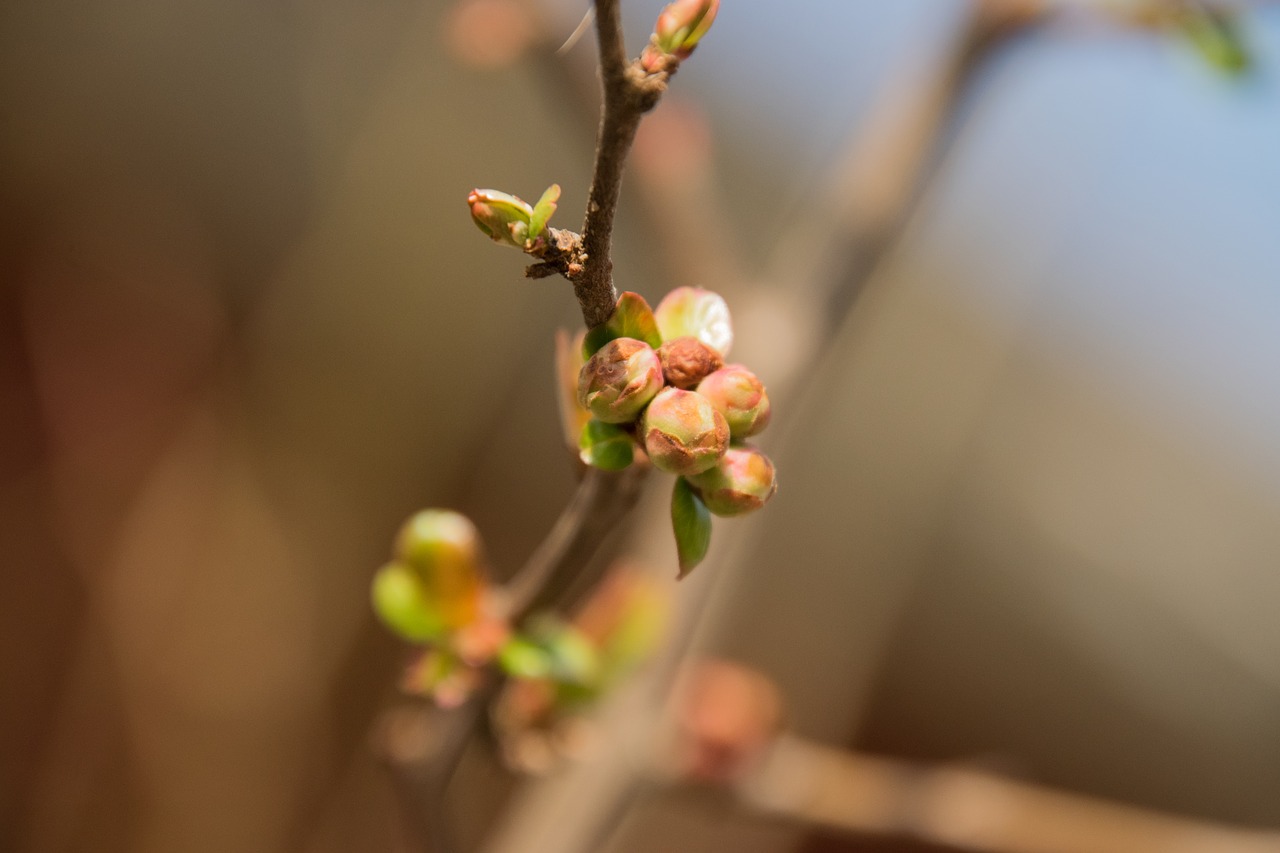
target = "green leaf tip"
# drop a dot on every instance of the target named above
(691, 523)
(542, 211)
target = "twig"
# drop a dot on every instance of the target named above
(628, 92)
(969, 809)
(559, 565)
(424, 745)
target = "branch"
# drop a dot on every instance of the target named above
(629, 93)
(815, 785)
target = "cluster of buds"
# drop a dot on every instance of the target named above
(435, 594)
(657, 380)
(681, 25)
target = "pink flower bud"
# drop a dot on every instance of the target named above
(683, 433)
(740, 482)
(619, 380)
(696, 313)
(740, 397)
(686, 361)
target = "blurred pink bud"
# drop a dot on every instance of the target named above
(619, 380)
(728, 717)
(740, 396)
(683, 433)
(741, 481)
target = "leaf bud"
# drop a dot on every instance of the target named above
(683, 433)
(687, 361)
(680, 26)
(619, 380)
(740, 396)
(403, 606)
(443, 548)
(504, 218)
(698, 313)
(740, 482)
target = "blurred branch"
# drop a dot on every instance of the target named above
(968, 809)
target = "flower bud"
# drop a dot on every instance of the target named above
(740, 397)
(687, 361)
(742, 481)
(697, 313)
(683, 433)
(682, 24)
(443, 549)
(619, 380)
(504, 218)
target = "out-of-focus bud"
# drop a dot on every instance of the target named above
(443, 549)
(683, 433)
(403, 605)
(681, 25)
(619, 380)
(623, 619)
(687, 361)
(697, 313)
(740, 482)
(740, 396)
(442, 677)
(504, 218)
(728, 716)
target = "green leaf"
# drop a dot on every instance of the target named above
(692, 525)
(542, 211)
(1218, 40)
(521, 658)
(606, 446)
(574, 660)
(632, 318)
(402, 605)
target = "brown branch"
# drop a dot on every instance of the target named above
(628, 94)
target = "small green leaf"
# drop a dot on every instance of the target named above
(542, 211)
(632, 318)
(606, 446)
(574, 660)
(692, 525)
(1218, 40)
(521, 658)
(402, 605)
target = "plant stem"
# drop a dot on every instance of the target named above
(628, 94)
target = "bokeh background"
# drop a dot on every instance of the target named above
(1030, 503)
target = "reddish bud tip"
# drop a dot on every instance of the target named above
(687, 361)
